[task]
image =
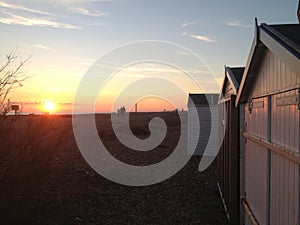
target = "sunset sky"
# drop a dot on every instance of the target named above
(65, 37)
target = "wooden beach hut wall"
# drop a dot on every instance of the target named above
(270, 90)
(202, 132)
(230, 118)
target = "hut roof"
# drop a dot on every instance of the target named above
(233, 75)
(282, 40)
(237, 73)
(203, 99)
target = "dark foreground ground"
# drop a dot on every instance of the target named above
(44, 179)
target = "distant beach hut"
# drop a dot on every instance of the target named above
(230, 117)
(202, 132)
(270, 90)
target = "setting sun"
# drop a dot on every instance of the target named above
(49, 106)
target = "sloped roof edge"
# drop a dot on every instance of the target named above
(231, 78)
(266, 37)
(252, 55)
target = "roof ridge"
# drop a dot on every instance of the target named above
(284, 40)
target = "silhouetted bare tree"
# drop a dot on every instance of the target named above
(11, 77)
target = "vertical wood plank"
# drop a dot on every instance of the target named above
(290, 193)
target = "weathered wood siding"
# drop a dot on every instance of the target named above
(256, 161)
(222, 156)
(242, 159)
(284, 199)
(271, 179)
(285, 122)
(284, 172)
(274, 76)
(256, 121)
(228, 159)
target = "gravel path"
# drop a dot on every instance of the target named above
(44, 180)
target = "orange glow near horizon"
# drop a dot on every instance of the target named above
(153, 105)
(106, 104)
(120, 90)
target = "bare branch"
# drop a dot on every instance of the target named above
(11, 77)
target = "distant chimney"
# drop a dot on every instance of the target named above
(298, 11)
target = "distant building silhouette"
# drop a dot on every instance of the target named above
(15, 108)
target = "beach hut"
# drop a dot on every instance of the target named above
(230, 118)
(270, 90)
(202, 124)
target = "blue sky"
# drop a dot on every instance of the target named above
(65, 37)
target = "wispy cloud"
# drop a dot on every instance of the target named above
(237, 23)
(27, 13)
(22, 8)
(41, 46)
(187, 24)
(185, 53)
(148, 69)
(40, 102)
(10, 18)
(86, 12)
(198, 37)
(151, 70)
(14, 14)
(191, 23)
(83, 1)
